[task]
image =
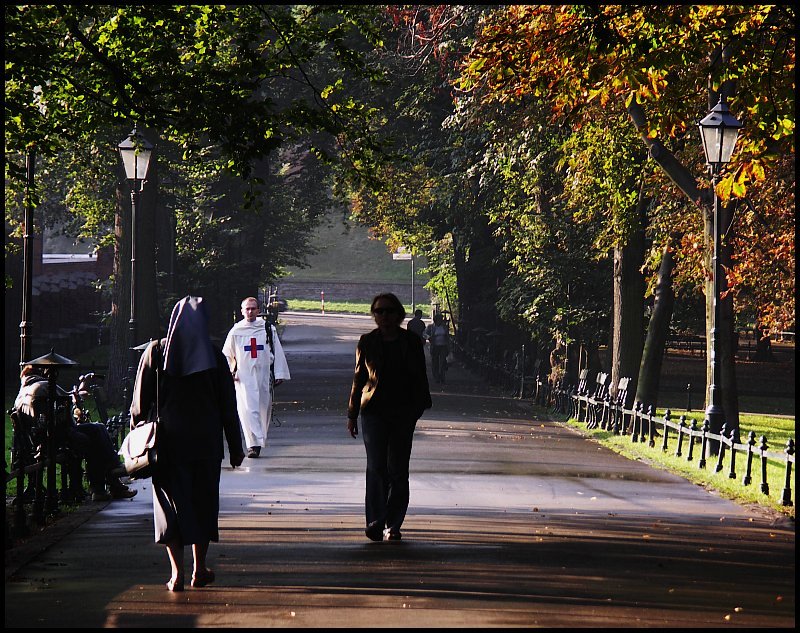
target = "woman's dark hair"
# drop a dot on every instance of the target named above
(393, 301)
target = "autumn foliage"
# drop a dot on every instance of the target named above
(584, 61)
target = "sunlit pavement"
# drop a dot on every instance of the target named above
(515, 521)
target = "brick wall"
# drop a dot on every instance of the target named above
(64, 304)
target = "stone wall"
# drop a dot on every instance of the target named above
(350, 291)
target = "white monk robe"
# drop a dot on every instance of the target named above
(249, 358)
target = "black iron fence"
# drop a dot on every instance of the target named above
(690, 439)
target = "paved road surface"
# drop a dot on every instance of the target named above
(515, 521)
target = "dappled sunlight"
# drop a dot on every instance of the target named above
(456, 562)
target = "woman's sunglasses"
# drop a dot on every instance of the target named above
(383, 311)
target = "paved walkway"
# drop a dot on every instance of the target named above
(516, 521)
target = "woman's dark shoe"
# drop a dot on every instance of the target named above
(393, 534)
(175, 584)
(374, 532)
(202, 579)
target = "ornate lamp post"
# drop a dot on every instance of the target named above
(135, 151)
(718, 131)
(26, 325)
(27, 258)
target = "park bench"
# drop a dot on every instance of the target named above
(691, 343)
(595, 401)
(37, 448)
(613, 415)
(33, 441)
(561, 395)
(531, 380)
(580, 400)
(526, 375)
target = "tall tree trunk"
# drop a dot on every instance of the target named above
(477, 275)
(572, 360)
(657, 333)
(148, 322)
(628, 317)
(459, 263)
(120, 305)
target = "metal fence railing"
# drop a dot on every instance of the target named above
(691, 440)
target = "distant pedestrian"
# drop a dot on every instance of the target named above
(416, 325)
(196, 405)
(258, 364)
(390, 391)
(438, 335)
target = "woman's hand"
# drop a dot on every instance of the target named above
(352, 427)
(236, 459)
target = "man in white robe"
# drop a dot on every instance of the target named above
(254, 365)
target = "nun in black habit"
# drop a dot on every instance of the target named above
(197, 404)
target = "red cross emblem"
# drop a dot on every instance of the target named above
(253, 348)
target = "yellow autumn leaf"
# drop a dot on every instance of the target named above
(724, 188)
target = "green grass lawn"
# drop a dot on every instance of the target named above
(345, 253)
(309, 305)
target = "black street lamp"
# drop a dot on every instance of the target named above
(135, 151)
(25, 325)
(718, 131)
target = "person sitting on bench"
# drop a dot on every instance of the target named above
(89, 440)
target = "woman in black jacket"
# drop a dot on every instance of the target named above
(390, 391)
